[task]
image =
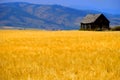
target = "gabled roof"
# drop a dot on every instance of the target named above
(90, 18)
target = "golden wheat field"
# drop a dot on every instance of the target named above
(59, 55)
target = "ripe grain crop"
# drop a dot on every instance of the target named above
(59, 55)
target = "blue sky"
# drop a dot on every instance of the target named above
(109, 6)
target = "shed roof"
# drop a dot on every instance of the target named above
(90, 18)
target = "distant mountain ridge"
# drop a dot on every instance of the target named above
(49, 17)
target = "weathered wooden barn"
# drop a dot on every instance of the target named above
(95, 22)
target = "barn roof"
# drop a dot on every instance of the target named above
(90, 18)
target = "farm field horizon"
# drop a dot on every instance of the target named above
(59, 55)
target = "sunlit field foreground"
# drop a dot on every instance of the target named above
(59, 55)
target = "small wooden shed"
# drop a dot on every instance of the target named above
(95, 22)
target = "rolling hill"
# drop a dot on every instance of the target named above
(49, 17)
